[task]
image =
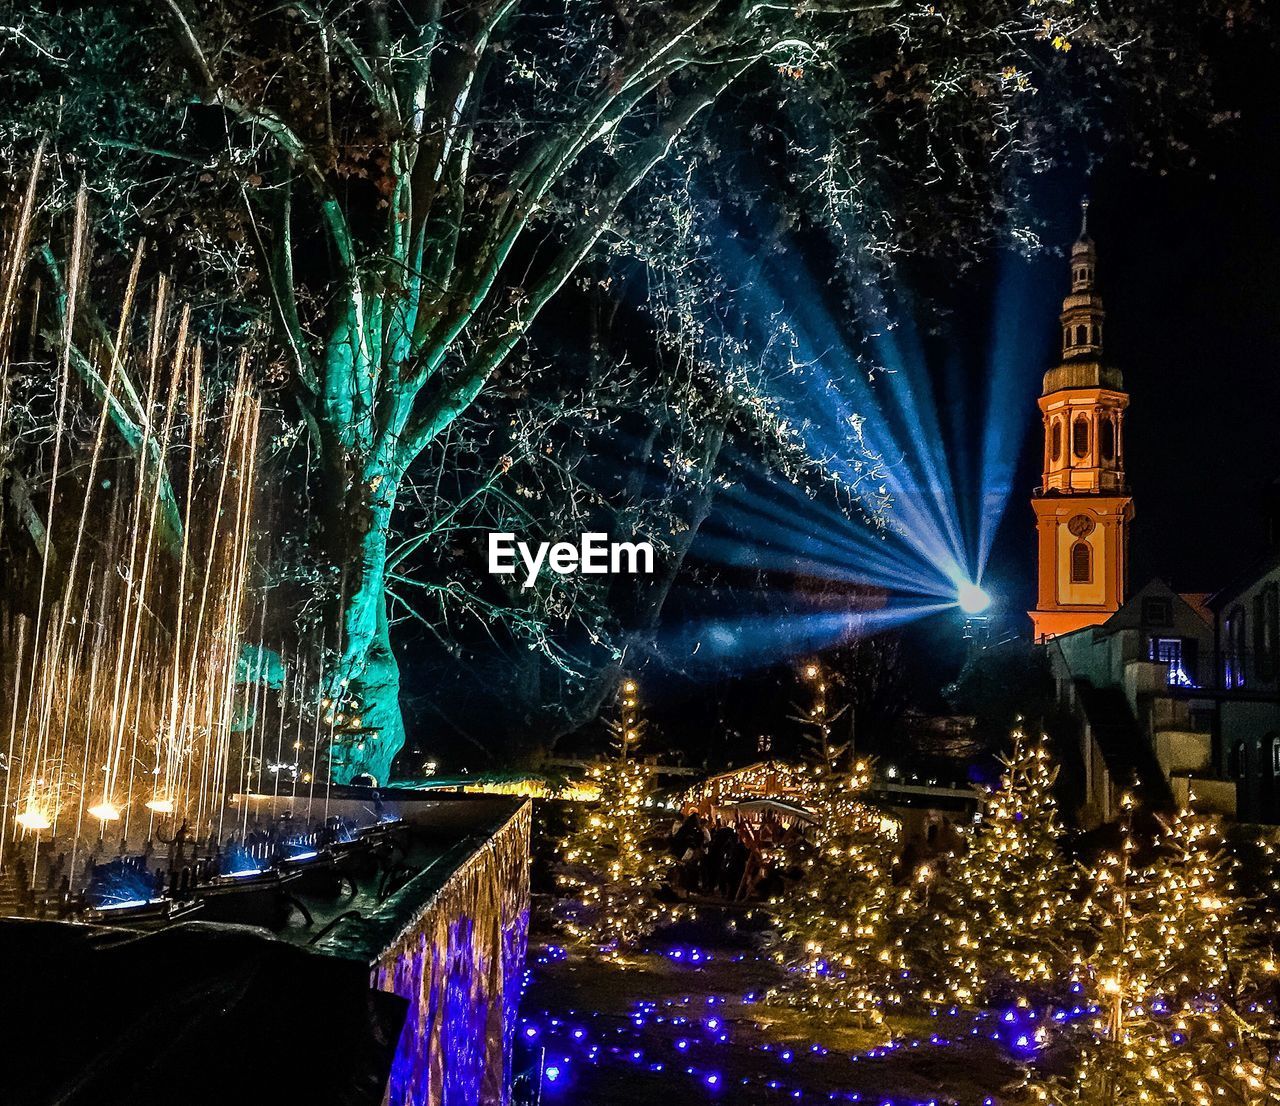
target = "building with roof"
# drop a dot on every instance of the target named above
(1167, 693)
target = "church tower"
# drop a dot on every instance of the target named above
(1083, 507)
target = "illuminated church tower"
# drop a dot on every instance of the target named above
(1083, 507)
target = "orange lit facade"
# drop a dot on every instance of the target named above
(1083, 507)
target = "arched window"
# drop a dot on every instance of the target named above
(1239, 765)
(1082, 334)
(1080, 437)
(1233, 663)
(1107, 440)
(1066, 337)
(1056, 437)
(1081, 563)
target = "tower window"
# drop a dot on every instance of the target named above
(1066, 337)
(1082, 334)
(1056, 449)
(1080, 437)
(1107, 440)
(1081, 563)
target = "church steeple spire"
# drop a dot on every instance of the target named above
(1082, 313)
(1083, 507)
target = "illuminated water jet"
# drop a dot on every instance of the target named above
(105, 812)
(33, 819)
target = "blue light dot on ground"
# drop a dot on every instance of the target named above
(621, 1031)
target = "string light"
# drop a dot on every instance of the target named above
(1185, 1003)
(607, 862)
(834, 924)
(997, 922)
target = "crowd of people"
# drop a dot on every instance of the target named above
(738, 860)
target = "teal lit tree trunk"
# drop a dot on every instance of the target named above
(369, 673)
(445, 275)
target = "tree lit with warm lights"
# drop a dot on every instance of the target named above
(833, 922)
(608, 862)
(1183, 986)
(999, 920)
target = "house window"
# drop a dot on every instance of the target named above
(1157, 610)
(1233, 661)
(1175, 654)
(1239, 766)
(1081, 563)
(1266, 632)
(1080, 436)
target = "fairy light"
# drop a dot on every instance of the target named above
(607, 863)
(1184, 1000)
(984, 928)
(834, 924)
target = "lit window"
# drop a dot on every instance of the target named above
(1169, 651)
(1233, 662)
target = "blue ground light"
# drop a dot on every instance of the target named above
(657, 1031)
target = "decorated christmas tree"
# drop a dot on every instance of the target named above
(608, 861)
(996, 922)
(1184, 990)
(833, 923)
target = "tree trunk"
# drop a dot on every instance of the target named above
(368, 676)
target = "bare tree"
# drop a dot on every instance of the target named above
(463, 159)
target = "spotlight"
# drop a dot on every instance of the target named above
(105, 812)
(972, 599)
